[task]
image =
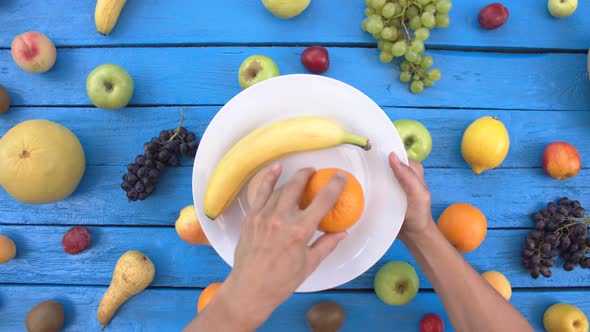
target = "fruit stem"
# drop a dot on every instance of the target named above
(403, 23)
(360, 141)
(179, 126)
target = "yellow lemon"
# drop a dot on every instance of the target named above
(485, 144)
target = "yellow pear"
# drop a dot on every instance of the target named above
(563, 317)
(286, 8)
(485, 144)
(40, 162)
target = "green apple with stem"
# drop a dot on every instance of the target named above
(256, 69)
(109, 87)
(396, 283)
(562, 8)
(416, 138)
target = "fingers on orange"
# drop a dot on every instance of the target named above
(336, 206)
(293, 190)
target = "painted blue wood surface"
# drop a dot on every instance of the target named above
(182, 265)
(172, 309)
(237, 21)
(209, 75)
(183, 52)
(506, 196)
(114, 138)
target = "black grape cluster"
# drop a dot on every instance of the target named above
(560, 230)
(162, 151)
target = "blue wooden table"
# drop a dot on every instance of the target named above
(530, 73)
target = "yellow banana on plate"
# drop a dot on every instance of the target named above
(268, 143)
(106, 14)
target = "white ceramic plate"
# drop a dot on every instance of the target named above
(295, 95)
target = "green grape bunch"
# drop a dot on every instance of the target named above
(401, 27)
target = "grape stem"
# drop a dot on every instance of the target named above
(177, 131)
(574, 221)
(404, 24)
(416, 71)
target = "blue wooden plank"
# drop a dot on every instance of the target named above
(115, 138)
(235, 21)
(208, 76)
(172, 309)
(41, 259)
(506, 196)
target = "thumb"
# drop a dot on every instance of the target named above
(322, 247)
(404, 174)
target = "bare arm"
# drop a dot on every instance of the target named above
(273, 256)
(470, 302)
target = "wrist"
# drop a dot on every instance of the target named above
(420, 235)
(241, 305)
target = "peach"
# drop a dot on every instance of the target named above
(499, 282)
(7, 249)
(4, 100)
(188, 227)
(33, 52)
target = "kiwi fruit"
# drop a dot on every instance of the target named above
(4, 100)
(45, 316)
(327, 316)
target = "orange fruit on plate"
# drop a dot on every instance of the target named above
(206, 295)
(464, 225)
(349, 207)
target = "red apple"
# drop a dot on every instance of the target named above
(316, 59)
(432, 323)
(561, 160)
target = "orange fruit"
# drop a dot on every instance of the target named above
(207, 295)
(349, 207)
(463, 225)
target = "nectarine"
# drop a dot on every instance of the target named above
(33, 52)
(188, 227)
(561, 160)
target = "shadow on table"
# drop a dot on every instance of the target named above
(69, 310)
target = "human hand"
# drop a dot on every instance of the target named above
(418, 214)
(273, 256)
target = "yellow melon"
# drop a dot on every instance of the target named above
(40, 162)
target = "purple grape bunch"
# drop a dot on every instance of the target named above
(141, 178)
(561, 230)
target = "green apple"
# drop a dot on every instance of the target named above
(256, 69)
(286, 8)
(396, 283)
(109, 86)
(416, 138)
(563, 317)
(562, 8)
